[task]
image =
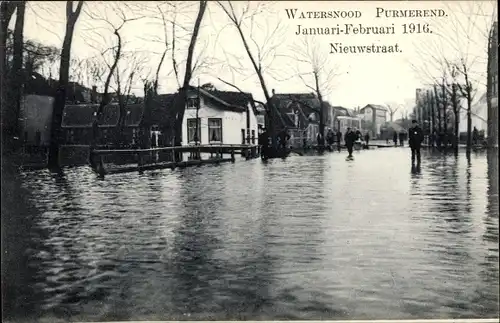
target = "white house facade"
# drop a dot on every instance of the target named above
(223, 118)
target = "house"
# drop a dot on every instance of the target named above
(36, 118)
(299, 113)
(219, 117)
(492, 84)
(373, 117)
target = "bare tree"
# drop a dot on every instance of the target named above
(316, 72)
(261, 55)
(60, 99)
(179, 104)
(114, 17)
(393, 108)
(459, 48)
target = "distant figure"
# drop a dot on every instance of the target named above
(416, 138)
(359, 135)
(367, 138)
(338, 137)
(153, 139)
(401, 138)
(264, 143)
(475, 136)
(395, 138)
(284, 137)
(320, 139)
(433, 138)
(330, 138)
(350, 137)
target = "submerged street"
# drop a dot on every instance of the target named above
(313, 237)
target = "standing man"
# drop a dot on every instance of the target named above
(416, 137)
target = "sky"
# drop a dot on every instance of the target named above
(349, 80)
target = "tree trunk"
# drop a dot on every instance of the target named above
(321, 108)
(469, 121)
(7, 9)
(180, 99)
(15, 80)
(456, 112)
(445, 108)
(438, 110)
(60, 99)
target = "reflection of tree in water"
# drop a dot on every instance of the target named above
(21, 239)
(194, 267)
(295, 240)
(490, 268)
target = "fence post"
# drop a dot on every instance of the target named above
(233, 159)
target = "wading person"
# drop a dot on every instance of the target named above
(416, 137)
(395, 138)
(367, 138)
(350, 139)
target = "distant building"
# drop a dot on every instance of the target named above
(224, 117)
(36, 118)
(479, 115)
(374, 117)
(493, 86)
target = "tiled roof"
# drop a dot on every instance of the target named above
(110, 116)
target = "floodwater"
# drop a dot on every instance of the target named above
(313, 237)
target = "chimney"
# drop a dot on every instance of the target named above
(93, 94)
(274, 92)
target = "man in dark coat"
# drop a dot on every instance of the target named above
(350, 138)
(416, 137)
(367, 138)
(264, 143)
(395, 138)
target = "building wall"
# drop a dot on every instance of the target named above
(36, 115)
(232, 124)
(493, 86)
(479, 116)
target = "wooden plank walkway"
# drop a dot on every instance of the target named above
(165, 157)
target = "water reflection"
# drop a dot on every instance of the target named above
(309, 237)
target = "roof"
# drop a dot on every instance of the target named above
(303, 104)
(161, 108)
(374, 106)
(81, 115)
(109, 116)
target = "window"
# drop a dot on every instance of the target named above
(242, 136)
(192, 103)
(193, 135)
(215, 130)
(253, 136)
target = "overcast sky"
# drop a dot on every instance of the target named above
(359, 78)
